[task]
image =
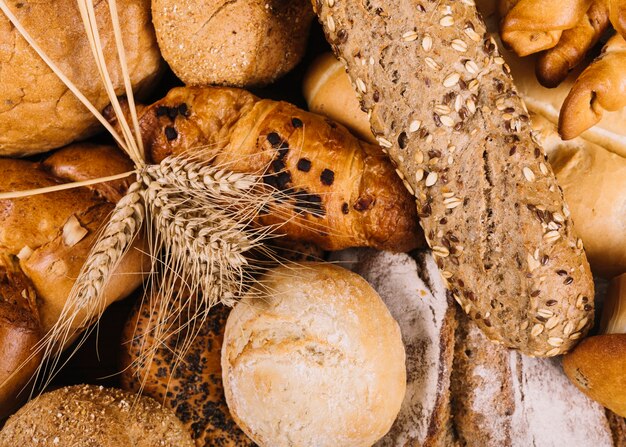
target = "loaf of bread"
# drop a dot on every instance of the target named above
(20, 331)
(331, 189)
(442, 103)
(188, 382)
(415, 296)
(89, 415)
(37, 111)
(312, 357)
(234, 43)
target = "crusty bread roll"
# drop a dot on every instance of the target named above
(239, 43)
(191, 385)
(20, 331)
(597, 367)
(313, 359)
(89, 416)
(37, 111)
(593, 181)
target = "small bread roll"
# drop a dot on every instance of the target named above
(236, 43)
(37, 111)
(89, 415)
(597, 366)
(313, 358)
(192, 387)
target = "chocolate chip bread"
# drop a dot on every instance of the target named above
(442, 103)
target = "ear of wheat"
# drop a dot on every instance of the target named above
(196, 218)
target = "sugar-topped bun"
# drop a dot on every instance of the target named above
(313, 359)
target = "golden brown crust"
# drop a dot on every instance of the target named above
(37, 111)
(530, 26)
(238, 43)
(335, 195)
(618, 15)
(597, 368)
(191, 387)
(554, 65)
(20, 331)
(600, 88)
(89, 416)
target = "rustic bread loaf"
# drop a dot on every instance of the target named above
(37, 111)
(415, 295)
(313, 357)
(502, 398)
(88, 415)
(443, 105)
(20, 331)
(190, 385)
(238, 43)
(331, 189)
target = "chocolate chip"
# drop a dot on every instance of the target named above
(282, 150)
(277, 165)
(283, 179)
(171, 133)
(296, 122)
(304, 165)
(183, 110)
(309, 202)
(345, 209)
(274, 139)
(162, 111)
(363, 203)
(172, 112)
(327, 177)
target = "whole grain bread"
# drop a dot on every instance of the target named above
(442, 103)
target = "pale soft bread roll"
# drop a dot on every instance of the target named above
(93, 416)
(594, 183)
(313, 359)
(415, 295)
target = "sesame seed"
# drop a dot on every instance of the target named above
(551, 236)
(431, 179)
(419, 175)
(451, 80)
(400, 174)
(452, 202)
(408, 187)
(361, 85)
(555, 341)
(529, 174)
(543, 168)
(331, 24)
(427, 43)
(409, 36)
(498, 60)
(459, 45)
(473, 85)
(471, 106)
(458, 103)
(446, 120)
(384, 142)
(446, 21)
(419, 156)
(471, 67)
(536, 330)
(414, 126)
(472, 34)
(432, 64)
(440, 251)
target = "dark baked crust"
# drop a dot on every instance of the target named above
(443, 104)
(192, 385)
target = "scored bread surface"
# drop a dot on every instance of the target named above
(442, 103)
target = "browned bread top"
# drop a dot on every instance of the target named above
(443, 104)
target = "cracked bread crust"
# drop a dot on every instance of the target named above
(443, 105)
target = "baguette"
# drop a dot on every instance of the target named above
(491, 209)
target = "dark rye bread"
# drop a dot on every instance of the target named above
(442, 104)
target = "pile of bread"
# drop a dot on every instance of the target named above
(370, 346)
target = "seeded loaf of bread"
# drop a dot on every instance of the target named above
(442, 103)
(89, 416)
(190, 383)
(416, 297)
(331, 189)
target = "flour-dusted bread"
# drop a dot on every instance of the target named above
(502, 398)
(238, 43)
(37, 111)
(89, 416)
(415, 295)
(442, 103)
(189, 382)
(312, 357)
